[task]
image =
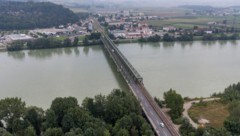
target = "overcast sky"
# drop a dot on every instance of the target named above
(182, 2)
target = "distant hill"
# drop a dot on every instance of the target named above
(28, 15)
(197, 7)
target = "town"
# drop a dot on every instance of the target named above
(129, 25)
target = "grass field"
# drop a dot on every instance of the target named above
(190, 22)
(60, 38)
(214, 111)
(184, 22)
(163, 12)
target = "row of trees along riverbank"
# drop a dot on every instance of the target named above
(48, 43)
(189, 37)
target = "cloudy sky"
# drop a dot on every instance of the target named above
(180, 2)
(158, 3)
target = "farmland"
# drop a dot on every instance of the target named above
(190, 22)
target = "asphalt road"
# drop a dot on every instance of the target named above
(137, 90)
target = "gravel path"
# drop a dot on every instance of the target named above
(188, 105)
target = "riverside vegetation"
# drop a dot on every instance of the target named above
(230, 125)
(117, 114)
(46, 43)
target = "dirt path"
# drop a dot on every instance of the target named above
(188, 105)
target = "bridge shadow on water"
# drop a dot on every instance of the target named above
(120, 80)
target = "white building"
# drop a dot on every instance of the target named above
(17, 37)
(169, 28)
(208, 32)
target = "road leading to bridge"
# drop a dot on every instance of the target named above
(135, 82)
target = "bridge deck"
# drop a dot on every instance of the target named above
(134, 80)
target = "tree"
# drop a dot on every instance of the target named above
(155, 38)
(53, 132)
(19, 126)
(121, 27)
(97, 106)
(232, 123)
(175, 102)
(75, 132)
(231, 93)
(35, 116)
(60, 106)
(234, 37)
(4, 132)
(186, 129)
(223, 37)
(75, 42)
(208, 37)
(216, 132)
(122, 132)
(185, 37)
(90, 132)
(195, 27)
(11, 109)
(30, 132)
(118, 104)
(168, 38)
(67, 123)
(85, 40)
(34, 15)
(123, 123)
(51, 119)
(67, 42)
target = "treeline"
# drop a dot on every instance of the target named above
(118, 114)
(167, 38)
(42, 43)
(231, 95)
(29, 15)
(188, 37)
(48, 43)
(175, 102)
(92, 39)
(155, 38)
(211, 37)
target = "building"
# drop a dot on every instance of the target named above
(90, 26)
(119, 33)
(169, 28)
(133, 35)
(18, 37)
(208, 32)
(116, 23)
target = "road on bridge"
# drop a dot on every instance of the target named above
(149, 106)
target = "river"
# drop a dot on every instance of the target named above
(194, 69)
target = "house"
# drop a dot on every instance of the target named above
(119, 33)
(19, 37)
(169, 28)
(116, 23)
(208, 32)
(132, 35)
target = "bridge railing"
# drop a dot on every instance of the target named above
(123, 58)
(110, 46)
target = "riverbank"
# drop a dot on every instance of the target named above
(3, 48)
(94, 39)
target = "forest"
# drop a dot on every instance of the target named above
(29, 15)
(117, 114)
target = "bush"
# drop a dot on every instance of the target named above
(178, 121)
